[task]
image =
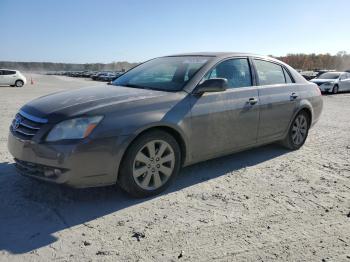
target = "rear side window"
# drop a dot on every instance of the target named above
(269, 73)
(236, 71)
(8, 72)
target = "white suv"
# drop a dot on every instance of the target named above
(12, 78)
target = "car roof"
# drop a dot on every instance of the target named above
(218, 54)
(223, 55)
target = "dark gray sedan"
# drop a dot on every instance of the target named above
(166, 113)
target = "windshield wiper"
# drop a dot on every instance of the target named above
(135, 86)
(146, 87)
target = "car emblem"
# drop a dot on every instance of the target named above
(17, 122)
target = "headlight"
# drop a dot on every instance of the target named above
(328, 83)
(76, 128)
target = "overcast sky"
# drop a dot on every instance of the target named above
(84, 31)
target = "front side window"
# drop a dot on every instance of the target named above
(343, 76)
(236, 71)
(165, 73)
(269, 73)
(8, 72)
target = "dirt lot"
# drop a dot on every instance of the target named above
(260, 205)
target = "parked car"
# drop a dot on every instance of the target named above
(166, 113)
(12, 78)
(308, 75)
(322, 71)
(107, 77)
(333, 82)
(88, 73)
(110, 76)
(98, 75)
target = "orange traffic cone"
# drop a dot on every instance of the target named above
(31, 81)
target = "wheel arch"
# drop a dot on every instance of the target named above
(306, 107)
(170, 129)
(18, 80)
(303, 106)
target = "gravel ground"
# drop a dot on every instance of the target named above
(260, 205)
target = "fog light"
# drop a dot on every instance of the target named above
(57, 172)
(49, 173)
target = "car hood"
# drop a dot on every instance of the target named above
(82, 100)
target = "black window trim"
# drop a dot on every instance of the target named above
(251, 69)
(273, 62)
(8, 72)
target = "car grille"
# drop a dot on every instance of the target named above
(26, 126)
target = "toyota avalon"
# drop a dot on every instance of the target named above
(164, 114)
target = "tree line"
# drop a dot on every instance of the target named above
(339, 62)
(48, 66)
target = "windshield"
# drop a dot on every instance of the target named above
(165, 73)
(329, 76)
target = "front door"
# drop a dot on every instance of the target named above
(344, 82)
(225, 121)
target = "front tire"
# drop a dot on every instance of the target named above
(298, 131)
(150, 164)
(335, 89)
(19, 83)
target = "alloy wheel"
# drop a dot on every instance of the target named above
(299, 129)
(19, 83)
(153, 165)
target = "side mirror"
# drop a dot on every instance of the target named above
(212, 85)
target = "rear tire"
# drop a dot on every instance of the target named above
(298, 131)
(19, 83)
(150, 164)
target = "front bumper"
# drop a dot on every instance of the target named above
(326, 88)
(85, 163)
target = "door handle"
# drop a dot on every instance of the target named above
(293, 96)
(253, 100)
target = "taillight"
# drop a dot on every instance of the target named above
(318, 90)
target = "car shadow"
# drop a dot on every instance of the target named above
(31, 212)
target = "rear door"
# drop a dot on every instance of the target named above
(278, 96)
(225, 121)
(2, 80)
(9, 77)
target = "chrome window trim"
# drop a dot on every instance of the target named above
(33, 118)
